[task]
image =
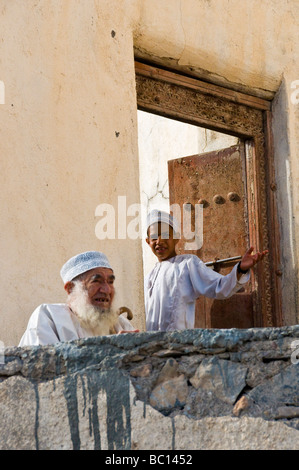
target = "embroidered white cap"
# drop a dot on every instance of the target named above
(82, 263)
(156, 216)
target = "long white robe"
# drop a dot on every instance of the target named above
(52, 323)
(172, 287)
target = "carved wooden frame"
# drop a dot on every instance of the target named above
(190, 100)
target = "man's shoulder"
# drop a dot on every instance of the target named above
(49, 309)
(178, 259)
(55, 306)
(47, 313)
(188, 262)
(186, 258)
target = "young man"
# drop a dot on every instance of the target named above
(174, 284)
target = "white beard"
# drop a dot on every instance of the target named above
(97, 320)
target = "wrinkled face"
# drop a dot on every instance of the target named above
(161, 241)
(99, 285)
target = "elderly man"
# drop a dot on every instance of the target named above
(174, 284)
(89, 281)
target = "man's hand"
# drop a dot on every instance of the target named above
(249, 260)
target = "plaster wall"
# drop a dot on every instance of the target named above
(68, 128)
(244, 43)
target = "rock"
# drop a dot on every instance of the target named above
(224, 378)
(189, 364)
(287, 412)
(134, 358)
(141, 371)
(280, 390)
(203, 403)
(170, 394)
(259, 371)
(170, 370)
(168, 353)
(241, 405)
(11, 367)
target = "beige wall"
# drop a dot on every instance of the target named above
(70, 90)
(247, 43)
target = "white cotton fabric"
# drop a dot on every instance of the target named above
(53, 323)
(156, 216)
(172, 287)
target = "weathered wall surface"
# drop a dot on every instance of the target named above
(68, 128)
(232, 42)
(196, 389)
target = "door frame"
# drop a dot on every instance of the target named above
(187, 99)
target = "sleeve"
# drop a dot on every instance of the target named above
(211, 284)
(40, 329)
(123, 324)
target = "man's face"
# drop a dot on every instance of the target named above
(99, 285)
(161, 241)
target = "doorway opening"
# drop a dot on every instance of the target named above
(202, 144)
(187, 165)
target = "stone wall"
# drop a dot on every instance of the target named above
(194, 389)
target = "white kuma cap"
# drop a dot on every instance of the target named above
(156, 216)
(82, 263)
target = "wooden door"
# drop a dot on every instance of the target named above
(216, 180)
